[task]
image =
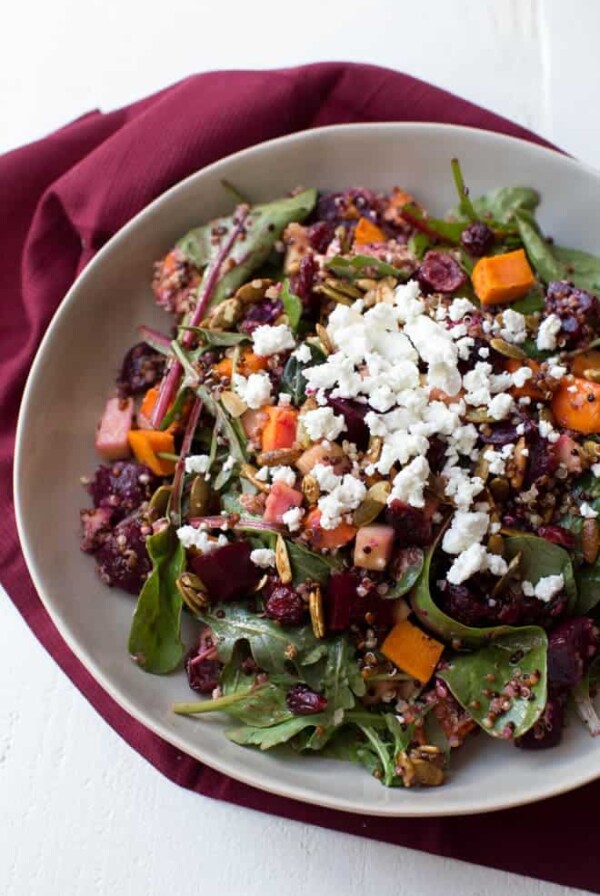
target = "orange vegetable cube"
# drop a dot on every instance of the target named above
(578, 410)
(366, 232)
(146, 444)
(529, 389)
(328, 539)
(280, 428)
(498, 279)
(413, 651)
(248, 363)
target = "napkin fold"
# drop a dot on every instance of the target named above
(61, 199)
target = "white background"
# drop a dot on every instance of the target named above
(80, 812)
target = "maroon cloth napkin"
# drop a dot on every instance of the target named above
(60, 200)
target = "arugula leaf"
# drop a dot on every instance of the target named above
(363, 266)
(271, 646)
(264, 227)
(475, 680)
(342, 681)
(292, 305)
(266, 738)
(293, 381)
(538, 250)
(155, 639)
(465, 205)
(308, 565)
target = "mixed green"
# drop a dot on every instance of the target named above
(367, 462)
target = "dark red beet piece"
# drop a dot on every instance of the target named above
(339, 599)
(571, 647)
(320, 235)
(228, 572)
(285, 605)
(201, 664)
(557, 535)
(142, 368)
(547, 731)
(122, 487)
(122, 558)
(411, 525)
(477, 239)
(95, 525)
(301, 283)
(303, 701)
(264, 312)
(436, 454)
(354, 415)
(578, 310)
(439, 272)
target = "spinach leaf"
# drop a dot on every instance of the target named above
(264, 227)
(532, 302)
(436, 229)
(419, 243)
(155, 638)
(583, 700)
(380, 749)
(308, 565)
(582, 268)
(539, 251)
(292, 305)
(266, 738)
(407, 568)
(540, 558)
(293, 381)
(502, 205)
(271, 646)
(363, 266)
(478, 680)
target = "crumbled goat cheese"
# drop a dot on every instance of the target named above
(547, 333)
(263, 474)
(484, 352)
(322, 423)
(466, 529)
(284, 400)
(547, 431)
(326, 478)
(191, 537)
(291, 518)
(495, 528)
(197, 463)
(270, 340)
(596, 470)
(557, 371)
(545, 589)
(459, 307)
(514, 326)
(302, 354)
(587, 512)
(255, 391)
(263, 557)
(410, 482)
(461, 487)
(500, 406)
(436, 347)
(521, 375)
(283, 474)
(345, 497)
(408, 303)
(497, 459)
(475, 559)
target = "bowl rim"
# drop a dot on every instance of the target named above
(254, 779)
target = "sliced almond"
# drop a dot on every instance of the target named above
(233, 404)
(317, 616)
(372, 504)
(282, 561)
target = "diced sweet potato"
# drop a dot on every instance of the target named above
(147, 444)
(327, 539)
(280, 428)
(248, 363)
(578, 409)
(373, 547)
(280, 499)
(111, 437)
(530, 390)
(366, 232)
(413, 651)
(498, 279)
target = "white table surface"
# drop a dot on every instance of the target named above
(80, 812)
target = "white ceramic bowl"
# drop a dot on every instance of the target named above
(81, 352)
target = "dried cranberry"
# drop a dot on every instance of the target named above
(264, 312)
(122, 486)
(578, 310)
(122, 558)
(142, 367)
(354, 414)
(201, 664)
(571, 646)
(439, 272)
(320, 235)
(303, 701)
(95, 525)
(557, 535)
(411, 525)
(547, 731)
(285, 605)
(228, 572)
(477, 239)
(302, 282)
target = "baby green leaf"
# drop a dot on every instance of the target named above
(582, 268)
(480, 681)
(308, 565)
(501, 205)
(266, 738)
(155, 639)
(292, 305)
(540, 558)
(406, 569)
(293, 381)
(363, 266)
(538, 250)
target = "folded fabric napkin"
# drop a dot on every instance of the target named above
(61, 199)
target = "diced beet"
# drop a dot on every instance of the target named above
(373, 547)
(439, 272)
(142, 368)
(95, 525)
(113, 429)
(339, 599)
(547, 731)
(122, 486)
(411, 524)
(436, 454)
(320, 235)
(201, 664)
(571, 647)
(284, 604)
(122, 557)
(354, 415)
(303, 701)
(280, 499)
(228, 572)
(557, 535)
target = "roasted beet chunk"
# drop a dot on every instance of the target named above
(284, 605)
(228, 572)
(477, 239)
(354, 414)
(302, 701)
(542, 460)
(122, 558)
(439, 272)
(339, 600)
(571, 647)
(547, 731)
(261, 313)
(411, 525)
(471, 604)
(202, 666)
(175, 282)
(95, 527)
(320, 235)
(578, 310)
(142, 367)
(122, 487)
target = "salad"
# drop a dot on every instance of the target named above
(365, 456)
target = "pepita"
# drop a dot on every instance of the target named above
(225, 315)
(479, 415)
(592, 375)
(282, 561)
(372, 504)
(233, 404)
(591, 450)
(511, 572)
(590, 540)
(192, 592)
(254, 291)
(495, 543)
(247, 471)
(518, 463)
(427, 773)
(507, 349)
(317, 616)
(374, 452)
(325, 340)
(200, 496)
(347, 289)
(160, 499)
(334, 294)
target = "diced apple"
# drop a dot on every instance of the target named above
(111, 436)
(280, 499)
(568, 453)
(373, 547)
(323, 453)
(254, 422)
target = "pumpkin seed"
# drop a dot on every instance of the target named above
(282, 561)
(233, 404)
(427, 773)
(590, 540)
(160, 499)
(405, 768)
(366, 284)
(192, 592)
(249, 472)
(374, 452)
(325, 340)
(479, 415)
(507, 349)
(225, 315)
(279, 456)
(511, 572)
(310, 489)
(591, 451)
(335, 295)
(252, 292)
(373, 503)
(347, 289)
(482, 469)
(200, 496)
(315, 607)
(495, 543)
